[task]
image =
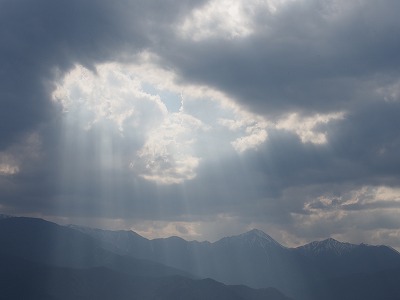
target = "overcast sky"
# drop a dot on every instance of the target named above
(204, 118)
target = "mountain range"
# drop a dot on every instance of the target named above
(53, 261)
(256, 259)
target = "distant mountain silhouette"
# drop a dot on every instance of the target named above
(46, 261)
(257, 260)
(49, 261)
(44, 242)
(333, 258)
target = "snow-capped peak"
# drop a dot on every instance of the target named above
(329, 245)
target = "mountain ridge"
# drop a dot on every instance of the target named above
(255, 259)
(256, 233)
(82, 269)
(46, 242)
(252, 258)
(327, 245)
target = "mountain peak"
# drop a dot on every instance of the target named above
(330, 241)
(329, 245)
(257, 233)
(256, 237)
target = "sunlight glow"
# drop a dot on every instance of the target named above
(168, 153)
(168, 143)
(134, 100)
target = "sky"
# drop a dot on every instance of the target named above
(204, 119)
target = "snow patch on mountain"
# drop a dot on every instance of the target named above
(330, 245)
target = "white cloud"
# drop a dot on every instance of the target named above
(217, 18)
(251, 128)
(364, 198)
(307, 127)
(112, 93)
(23, 152)
(168, 155)
(367, 214)
(227, 19)
(254, 129)
(9, 164)
(390, 92)
(256, 137)
(8, 169)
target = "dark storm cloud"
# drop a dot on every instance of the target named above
(310, 56)
(369, 137)
(362, 147)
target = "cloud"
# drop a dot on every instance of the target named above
(167, 156)
(308, 57)
(364, 211)
(139, 98)
(45, 38)
(193, 119)
(228, 19)
(20, 155)
(306, 127)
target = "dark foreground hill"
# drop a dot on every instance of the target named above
(361, 286)
(21, 279)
